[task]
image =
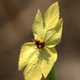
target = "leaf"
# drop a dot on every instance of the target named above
(33, 70)
(49, 56)
(40, 63)
(26, 53)
(37, 27)
(53, 36)
(51, 16)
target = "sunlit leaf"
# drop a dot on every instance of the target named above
(48, 56)
(51, 16)
(33, 69)
(53, 36)
(37, 58)
(27, 51)
(37, 25)
(40, 64)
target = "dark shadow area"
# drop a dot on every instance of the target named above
(10, 9)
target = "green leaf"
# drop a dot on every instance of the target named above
(53, 36)
(26, 53)
(51, 16)
(37, 27)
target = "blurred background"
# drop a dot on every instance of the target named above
(16, 18)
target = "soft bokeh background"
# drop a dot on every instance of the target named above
(16, 17)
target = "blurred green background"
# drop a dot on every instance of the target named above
(16, 18)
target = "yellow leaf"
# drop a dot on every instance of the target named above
(33, 70)
(53, 36)
(37, 26)
(48, 57)
(51, 16)
(27, 51)
(38, 57)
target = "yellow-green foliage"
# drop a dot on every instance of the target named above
(38, 57)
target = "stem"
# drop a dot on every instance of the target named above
(52, 75)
